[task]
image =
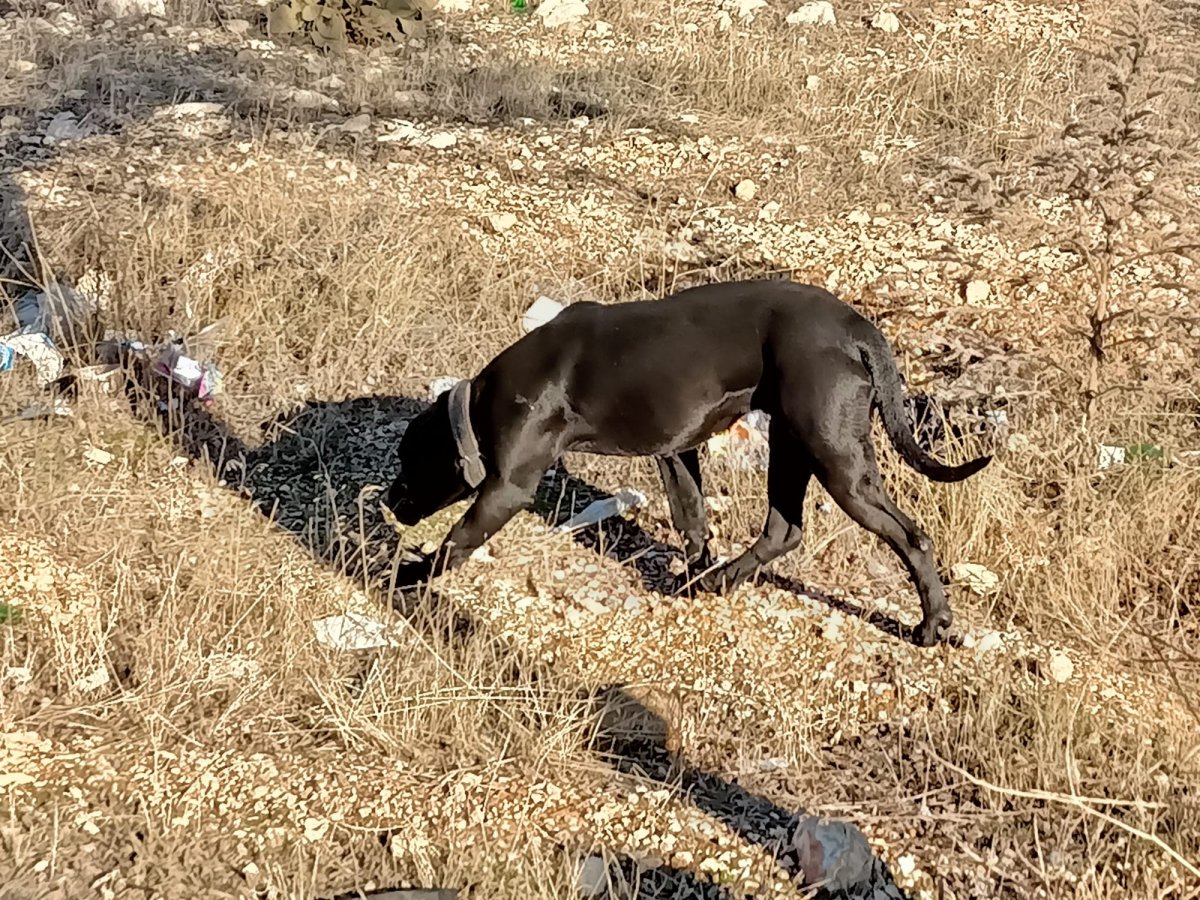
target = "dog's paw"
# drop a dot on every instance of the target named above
(715, 582)
(932, 631)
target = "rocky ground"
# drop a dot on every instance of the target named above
(362, 224)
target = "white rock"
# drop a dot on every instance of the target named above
(65, 127)
(411, 98)
(977, 291)
(991, 640)
(556, 13)
(602, 29)
(745, 190)
(501, 222)
(315, 829)
(308, 99)
(541, 311)
(980, 579)
(1061, 668)
(812, 82)
(442, 140)
(885, 21)
(746, 9)
(724, 21)
(23, 66)
(193, 108)
(907, 864)
(858, 217)
(94, 681)
(126, 9)
(482, 554)
(97, 456)
(819, 12)
(356, 124)
(593, 877)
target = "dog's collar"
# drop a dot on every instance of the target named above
(464, 434)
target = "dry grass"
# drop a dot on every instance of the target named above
(190, 774)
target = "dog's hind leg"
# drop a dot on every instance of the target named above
(788, 474)
(838, 436)
(681, 480)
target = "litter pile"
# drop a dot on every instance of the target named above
(57, 326)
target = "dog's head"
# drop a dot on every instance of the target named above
(431, 469)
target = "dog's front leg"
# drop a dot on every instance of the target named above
(497, 502)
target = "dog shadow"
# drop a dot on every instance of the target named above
(357, 440)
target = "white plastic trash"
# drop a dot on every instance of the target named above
(1110, 456)
(832, 854)
(745, 444)
(353, 631)
(542, 311)
(599, 510)
(440, 385)
(38, 348)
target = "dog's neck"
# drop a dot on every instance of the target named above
(464, 434)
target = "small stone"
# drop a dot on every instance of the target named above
(819, 12)
(991, 640)
(97, 456)
(746, 9)
(745, 190)
(315, 829)
(812, 82)
(9, 122)
(128, 9)
(98, 678)
(556, 13)
(979, 579)
(1061, 668)
(906, 864)
(411, 98)
(304, 98)
(885, 21)
(858, 217)
(65, 127)
(23, 66)
(501, 222)
(356, 124)
(977, 292)
(442, 140)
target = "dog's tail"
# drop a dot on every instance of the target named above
(889, 400)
